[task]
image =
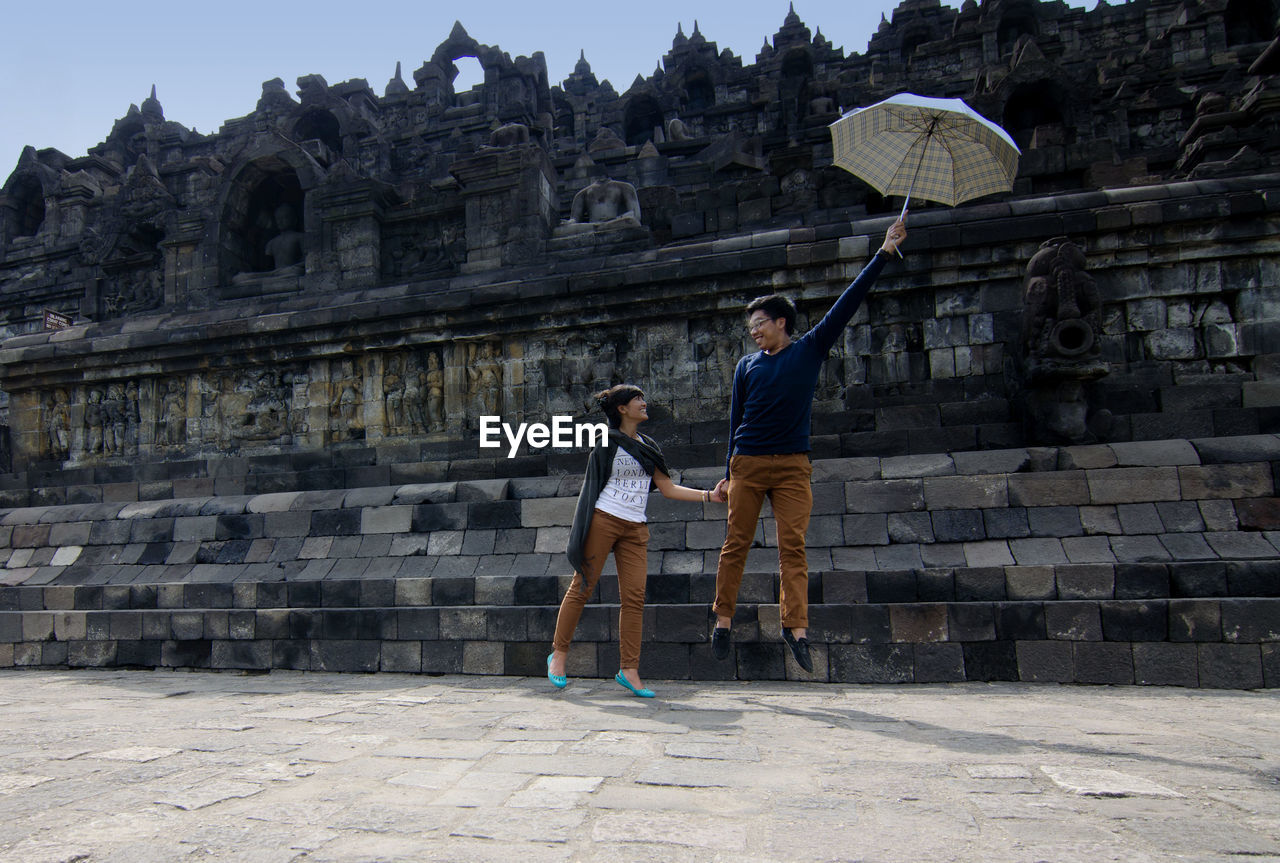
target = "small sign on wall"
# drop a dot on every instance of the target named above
(55, 320)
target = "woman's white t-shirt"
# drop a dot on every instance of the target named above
(626, 493)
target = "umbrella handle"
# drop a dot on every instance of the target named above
(902, 218)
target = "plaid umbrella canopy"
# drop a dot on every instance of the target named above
(938, 149)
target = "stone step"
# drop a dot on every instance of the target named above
(1067, 582)
(1232, 643)
(868, 514)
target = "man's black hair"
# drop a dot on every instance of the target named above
(775, 306)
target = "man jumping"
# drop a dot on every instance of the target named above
(769, 445)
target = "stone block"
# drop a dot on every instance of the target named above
(971, 621)
(704, 534)
(1180, 516)
(1218, 514)
(548, 512)
(1045, 662)
(904, 527)
(957, 525)
(1250, 620)
(1164, 664)
(193, 653)
(1238, 449)
(1037, 551)
(1073, 621)
(280, 524)
(385, 519)
(1134, 485)
(1230, 666)
(463, 624)
(1103, 663)
(1271, 665)
(1135, 620)
(871, 663)
(252, 655)
(1088, 549)
(991, 660)
(483, 657)
(980, 584)
(943, 554)
(1049, 489)
(442, 657)
(899, 557)
(478, 542)
(825, 531)
(869, 529)
(929, 464)
(1139, 549)
(551, 540)
(845, 470)
(1187, 546)
(334, 522)
(429, 517)
(1238, 545)
(1151, 453)
(1100, 520)
(901, 495)
(1142, 581)
(1197, 620)
(966, 492)
(337, 655)
(1006, 461)
(401, 656)
(935, 585)
(1006, 523)
(918, 622)
(1253, 578)
(938, 663)
(890, 585)
(1136, 518)
(989, 553)
(1224, 481)
(1030, 582)
(844, 587)
(1252, 514)
(1085, 581)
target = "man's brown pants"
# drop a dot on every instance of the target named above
(784, 480)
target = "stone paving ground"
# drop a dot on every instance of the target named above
(142, 766)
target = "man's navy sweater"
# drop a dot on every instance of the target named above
(773, 394)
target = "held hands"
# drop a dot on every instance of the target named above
(721, 492)
(895, 236)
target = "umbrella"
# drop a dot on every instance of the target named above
(938, 149)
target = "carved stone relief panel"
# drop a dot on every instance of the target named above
(484, 368)
(110, 420)
(346, 400)
(171, 414)
(424, 249)
(251, 407)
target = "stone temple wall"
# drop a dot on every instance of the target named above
(347, 272)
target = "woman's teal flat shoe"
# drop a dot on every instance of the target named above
(621, 680)
(559, 681)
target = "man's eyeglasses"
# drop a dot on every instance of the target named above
(752, 326)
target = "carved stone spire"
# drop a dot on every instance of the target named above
(396, 86)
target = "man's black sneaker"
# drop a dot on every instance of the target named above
(720, 642)
(800, 650)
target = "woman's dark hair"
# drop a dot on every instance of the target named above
(615, 397)
(775, 306)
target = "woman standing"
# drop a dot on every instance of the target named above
(611, 517)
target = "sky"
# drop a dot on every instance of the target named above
(70, 70)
